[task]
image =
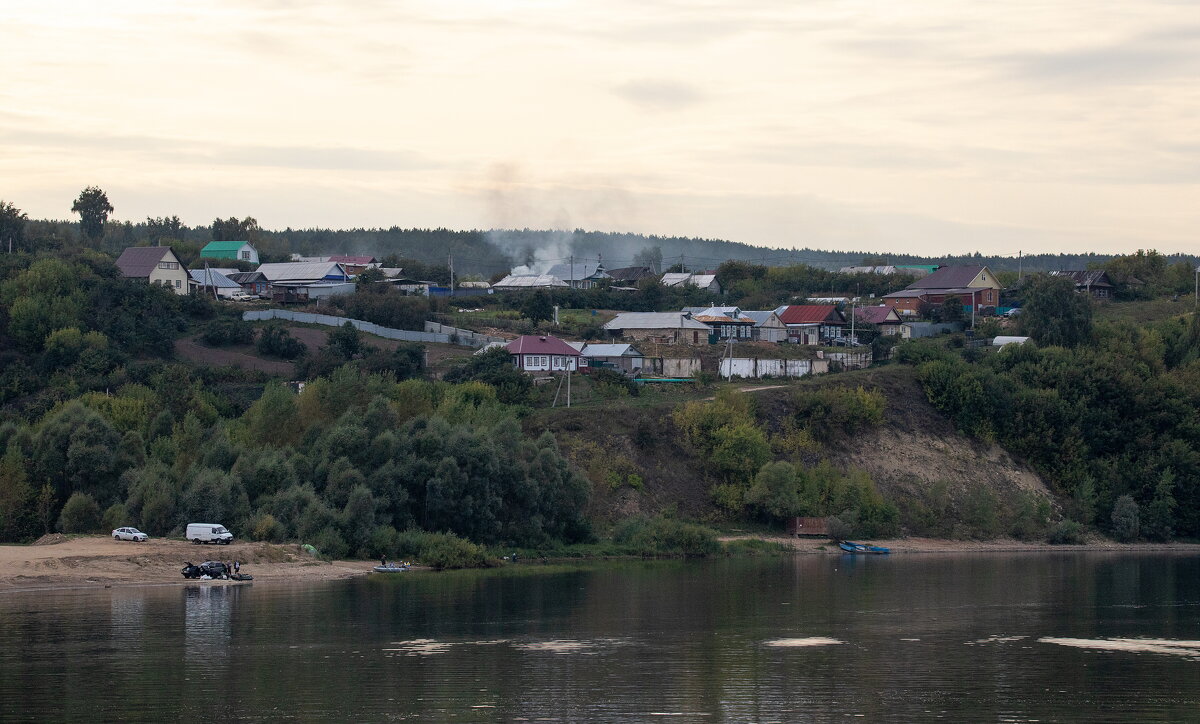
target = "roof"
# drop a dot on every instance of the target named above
(577, 271)
(530, 344)
(139, 261)
(299, 270)
(530, 281)
(610, 350)
(876, 315)
(356, 260)
(223, 246)
(653, 320)
(948, 277)
(244, 277)
(810, 314)
(703, 280)
(1090, 278)
(759, 318)
(671, 279)
(906, 294)
(720, 319)
(631, 273)
(212, 278)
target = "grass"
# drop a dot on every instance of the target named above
(1152, 310)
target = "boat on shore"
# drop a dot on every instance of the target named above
(852, 547)
(390, 569)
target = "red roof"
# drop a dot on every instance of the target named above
(811, 314)
(530, 344)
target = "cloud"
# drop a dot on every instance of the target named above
(1146, 58)
(660, 95)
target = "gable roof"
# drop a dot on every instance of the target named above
(654, 320)
(212, 278)
(578, 271)
(299, 270)
(759, 318)
(356, 260)
(531, 344)
(137, 262)
(530, 281)
(245, 277)
(223, 246)
(877, 315)
(631, 273)
(810, 314)
(1089, 278)
(949, 277)
(610, 350)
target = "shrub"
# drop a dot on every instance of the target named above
(115, 516)
(440, 550)
(841, 527)
(1066, 532)
(610, 383)
(81, 514)
(266, 527)
(330, 544)
(666, 536)
(1125, 523)
(226, 331)
(278, 342)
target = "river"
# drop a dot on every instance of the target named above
(1070, 637)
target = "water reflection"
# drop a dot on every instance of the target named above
(964, 638)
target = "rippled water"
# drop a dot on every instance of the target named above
(1032, 637)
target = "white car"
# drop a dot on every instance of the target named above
(245, 297)
(132, 534)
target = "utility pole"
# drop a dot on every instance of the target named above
(852, 316)
(1020, 264)
(450, 260)
(568, 385)
(571, 281)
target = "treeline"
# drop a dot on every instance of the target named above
(1110, 421)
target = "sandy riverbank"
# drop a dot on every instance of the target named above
(1002, 545)
(99, 561)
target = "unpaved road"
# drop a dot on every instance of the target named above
(99, 561)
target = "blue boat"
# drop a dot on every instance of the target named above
(852, 547)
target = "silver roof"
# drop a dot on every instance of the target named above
(654, 320)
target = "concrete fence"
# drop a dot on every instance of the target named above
(754, 368)
(368, 327)
(466, 337)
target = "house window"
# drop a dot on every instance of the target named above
(246, 255)
(168, 265)
(176, 283)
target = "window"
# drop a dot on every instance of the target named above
(246, 255)
(176, 283)
(168, 265)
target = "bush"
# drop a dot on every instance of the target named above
(226, 331)
(81, 514)
(330, 544)
(1066, 532)
(840, 529)
(1125, 523)
(440, 550)
(610, 383)
(666, 536)
(266, 527)
(116, 516)
(278, 342)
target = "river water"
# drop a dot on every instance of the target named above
(1078, 637)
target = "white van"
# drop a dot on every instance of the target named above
(208, 533)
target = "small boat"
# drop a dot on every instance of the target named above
(852, 547)
(390, 569)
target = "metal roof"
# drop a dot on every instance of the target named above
(654, 320)
(610, 350)
(529, 281)
(212, 278)
(578, 271)
(530, 344)
(877, 315)
(759, 318)
(139, 261)
(1089, 278)
(631, 273)
(811, 313)
(355, 260)
(223, 246)
(948, 277)
(300, 271)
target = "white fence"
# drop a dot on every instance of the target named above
(752, 367)
(368, 327)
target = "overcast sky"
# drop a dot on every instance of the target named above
(928, 126)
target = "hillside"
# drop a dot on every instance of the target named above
(918, 462)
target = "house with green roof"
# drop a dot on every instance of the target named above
(240, 250)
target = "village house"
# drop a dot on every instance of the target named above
(976, 286)
(707, 282)
(811, 323)
(305, 281)
(531, 353)
(154, 265)
(630, 275)
(883, 317)
(768, 327)
(579, 275)
(211, 282)
(620, 357)
(725, 322)
(251, 282)
(1095, 282)
(240, 250)
(518, 282)
(661, 327)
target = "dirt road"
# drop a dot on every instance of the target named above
(99, 561)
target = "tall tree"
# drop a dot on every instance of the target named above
(12, 226)
(93, 209)
(164, 227)
(1054, 313)
(233, 230)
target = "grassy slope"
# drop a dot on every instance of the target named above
(915, 457)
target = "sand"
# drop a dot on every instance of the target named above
(99, 561)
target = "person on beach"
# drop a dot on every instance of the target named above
(383, 561)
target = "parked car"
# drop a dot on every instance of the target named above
(132, 534)
(212, 569)
(208, 533)
(1013, 312)
(245, 297)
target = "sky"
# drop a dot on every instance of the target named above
(926, 127)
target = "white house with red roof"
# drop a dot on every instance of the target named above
(535, 353)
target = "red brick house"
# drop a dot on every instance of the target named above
(975, 285)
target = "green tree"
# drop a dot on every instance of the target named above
(537, 307)
(232, 229)
(346, 340)
(81, 514)
(12, 227)
(93, 209)
(1126, 525)
(1054, 313)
